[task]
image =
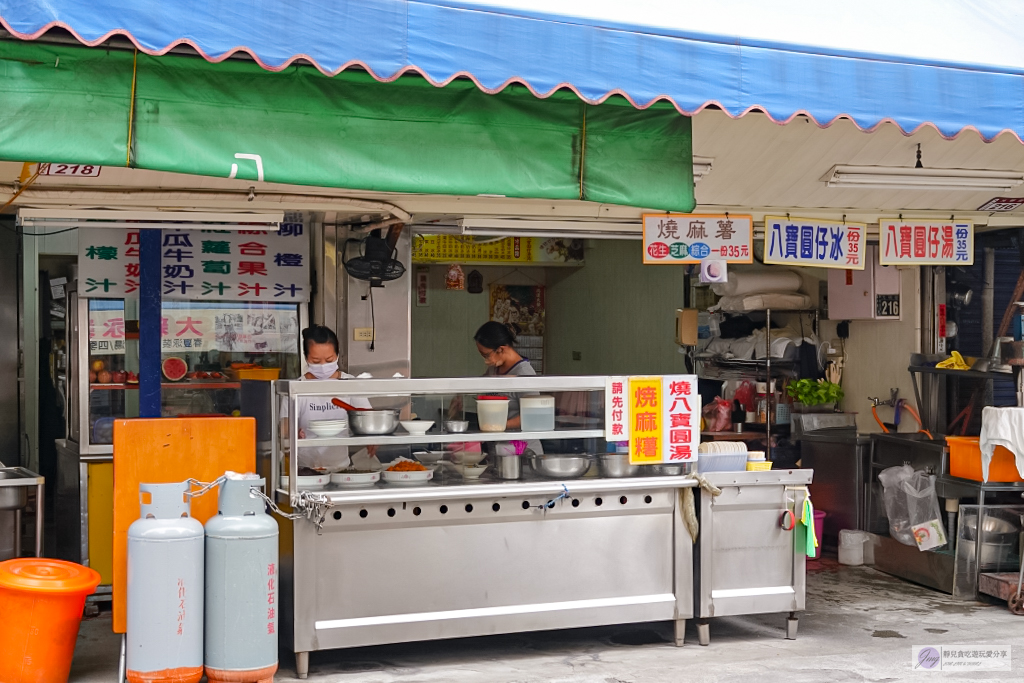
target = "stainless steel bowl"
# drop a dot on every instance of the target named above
(373, 422)
(669, 470)
(616, 465)
(561, 466)
(456, 426)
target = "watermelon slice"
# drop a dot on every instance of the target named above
(174, 368)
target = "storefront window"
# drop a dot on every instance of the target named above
(207, 348)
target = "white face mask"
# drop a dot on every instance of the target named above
(323, 370)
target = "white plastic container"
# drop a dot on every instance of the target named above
(851, 547)
(492, 413)
(538, 413)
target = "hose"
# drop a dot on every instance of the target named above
(874, 412)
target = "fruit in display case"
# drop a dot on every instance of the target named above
(174, 368)
(119, 376)
(132, 378)
(92, 376)
(97, 365)
(104, 377)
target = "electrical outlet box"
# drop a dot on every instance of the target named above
(363, 334)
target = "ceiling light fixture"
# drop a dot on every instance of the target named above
(176, 220)
(515, 227)
(904, 178)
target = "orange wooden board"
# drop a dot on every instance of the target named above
(167, 450)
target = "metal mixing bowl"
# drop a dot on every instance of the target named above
(373, 422)
(456, 426)
(668, 470)
(616, 465)
(561, 466)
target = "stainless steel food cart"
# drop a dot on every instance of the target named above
(458, 558)
(747, 561)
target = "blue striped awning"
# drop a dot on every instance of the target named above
(944, 63)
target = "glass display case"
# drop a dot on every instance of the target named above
(207, 349)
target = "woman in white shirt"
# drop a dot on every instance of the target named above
(320, 348)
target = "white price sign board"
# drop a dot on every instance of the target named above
(677, 239)
(925, 243)
(812, 242)
(197, 265)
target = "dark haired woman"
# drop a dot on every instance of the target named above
(320, 348)
(496, 344)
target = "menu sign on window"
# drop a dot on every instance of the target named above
(811, 242)
(692, 238)
(616, 412)
(663, 419)
(926, 243)
(247, 265)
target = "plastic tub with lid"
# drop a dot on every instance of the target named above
(41, 603)
(492, 413)
(538, 413)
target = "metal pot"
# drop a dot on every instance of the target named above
(12, 497)
(996, 530)
(373, 422)
(669, 470)
(507, 466)
(616, 465)
(561, 466)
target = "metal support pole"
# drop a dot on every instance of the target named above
(150, 322)
(39, 520)
(769, 393)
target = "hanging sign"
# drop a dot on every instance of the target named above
(690, 238)
(811, 242)
(200, 329)
(663, 419)
(925, 243)
(247, 265)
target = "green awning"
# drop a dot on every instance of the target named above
(74, 104)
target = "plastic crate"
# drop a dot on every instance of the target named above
(965, 461)
(722, 462)
(254, 373)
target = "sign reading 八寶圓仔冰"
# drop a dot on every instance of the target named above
(925, 243)
(250, 265)
(691, 238)
(811, 242)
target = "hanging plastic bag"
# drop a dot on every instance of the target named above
(923, 505)
(896, 506)
(718, 415)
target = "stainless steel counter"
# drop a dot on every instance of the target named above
(441, 562)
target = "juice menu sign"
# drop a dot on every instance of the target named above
(659, 416)
(692, 238)
(925, 243)
(248, 265)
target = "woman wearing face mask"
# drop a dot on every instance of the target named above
(320, 348)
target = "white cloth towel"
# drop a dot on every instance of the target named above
(1002, 427)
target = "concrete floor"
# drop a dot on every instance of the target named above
(859, 625)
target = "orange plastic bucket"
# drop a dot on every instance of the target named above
(965, 461)
(41, 603)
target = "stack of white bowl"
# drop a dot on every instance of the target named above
(327, 428)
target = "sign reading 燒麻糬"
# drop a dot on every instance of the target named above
(811, 242)
(692, 238)
(646, 420)
(925, 243)
(250, 265)
(663, 418)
